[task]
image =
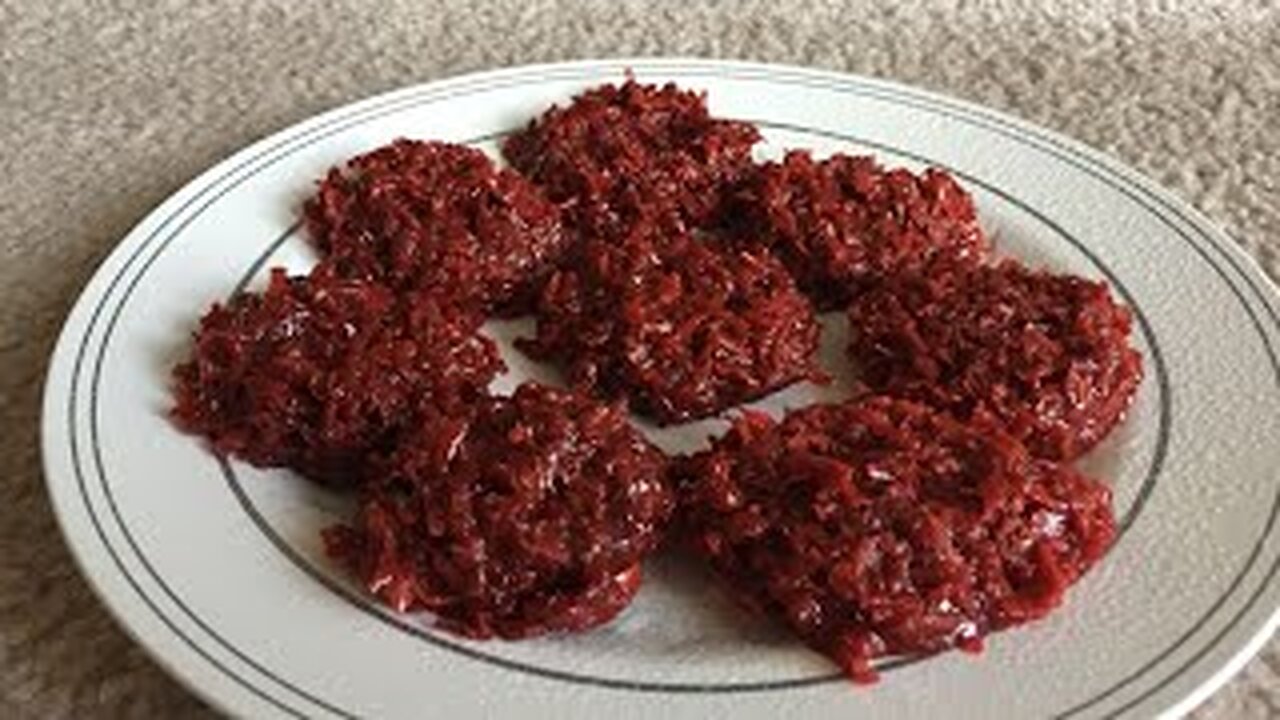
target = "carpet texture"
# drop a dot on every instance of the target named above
(107, 107)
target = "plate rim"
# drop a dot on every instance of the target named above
(78, 322)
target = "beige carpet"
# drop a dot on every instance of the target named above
(105, 111)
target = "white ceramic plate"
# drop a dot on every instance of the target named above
(218, 571)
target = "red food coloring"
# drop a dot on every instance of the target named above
(882, 527)
(1046, 356)
(516, 517)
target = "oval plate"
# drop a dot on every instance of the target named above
(217, 568)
